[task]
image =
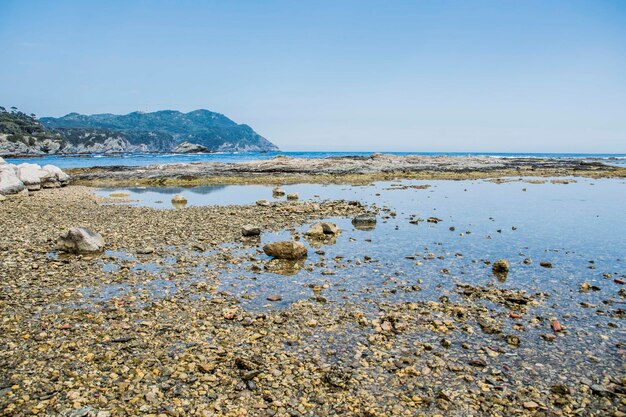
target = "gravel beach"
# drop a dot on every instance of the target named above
(146, 329)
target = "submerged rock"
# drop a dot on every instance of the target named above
(285, 250)
(293, 196)
(80, 240)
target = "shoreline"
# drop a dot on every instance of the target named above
(287, 170)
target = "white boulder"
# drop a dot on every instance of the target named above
(61, 176)
(31, 175)
(9, 182)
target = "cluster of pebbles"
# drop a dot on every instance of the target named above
(191, 349)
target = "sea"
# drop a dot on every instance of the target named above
(141, 159)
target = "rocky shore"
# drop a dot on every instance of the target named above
(22, 178)
(148, 327)
(284, 169)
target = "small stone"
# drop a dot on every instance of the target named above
(530, 405)
(249, 230)
(179, 199)
(278, 192)
(274, 297)
(513, 340)
(560, 389)
(293, 196)
(546, 264)
(206, 367)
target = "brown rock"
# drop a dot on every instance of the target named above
(285, 250)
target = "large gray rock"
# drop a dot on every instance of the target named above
(286, 250)
(80, 240)
(9, 182)
(187, 147)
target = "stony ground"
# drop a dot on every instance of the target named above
(190, 349)
(282, 170)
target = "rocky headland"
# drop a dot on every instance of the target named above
(164, 131)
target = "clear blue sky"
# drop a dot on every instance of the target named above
(335, 75)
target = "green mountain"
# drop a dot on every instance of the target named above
(22, 134)
(162, 131)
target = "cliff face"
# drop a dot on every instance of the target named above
(162, 131)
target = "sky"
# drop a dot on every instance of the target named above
(447, 76)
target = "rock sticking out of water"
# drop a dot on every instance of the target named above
(364, 221)
(278, 192)
(179, 199)
(501, 267)
(321, 229)
(285, 250)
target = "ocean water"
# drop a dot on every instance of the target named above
(133, 159)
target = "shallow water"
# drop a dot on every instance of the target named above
(578, 227)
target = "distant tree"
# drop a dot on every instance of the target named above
(3, 110)
(33, 115)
